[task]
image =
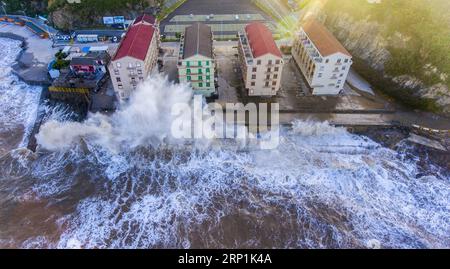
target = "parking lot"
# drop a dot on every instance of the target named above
(228, 17)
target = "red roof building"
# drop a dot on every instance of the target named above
(145, 18)
(261, 40)
(324, 41)
(136, 58)
(136, 42)
(260, 59)
(138, 38)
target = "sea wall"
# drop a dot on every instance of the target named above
(26, 68)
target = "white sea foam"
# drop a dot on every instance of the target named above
(337, 189)
(344, 199)
(19, 101)
(322, 187)
(146, 120)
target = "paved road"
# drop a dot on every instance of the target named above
(101, 32)
(39, 23)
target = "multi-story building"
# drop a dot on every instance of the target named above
(136, 57)
(323, 60)
(196, 64)
(260, 59)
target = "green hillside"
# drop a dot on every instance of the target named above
(424, 24)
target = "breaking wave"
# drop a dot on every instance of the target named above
(117, 182)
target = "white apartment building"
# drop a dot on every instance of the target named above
(136, 57)
(260, 59)
(323, 60)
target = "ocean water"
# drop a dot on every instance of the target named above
(119, 181)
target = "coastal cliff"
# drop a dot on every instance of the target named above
(401, 48)
(89, 13)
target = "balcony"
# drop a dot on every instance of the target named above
(311, 51)
(246, 51)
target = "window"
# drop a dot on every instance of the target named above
(254, 69)
(208, 84)
(118, 65)
(188, 63)
(268, 77)
(253, 76)
(118, 79)
(258, 62)
(275, 76)
(343, 68)
(120, 86)
(208, 70)
(339, 61)
(141, 78)
(267, 84)
(200, 85)
(274, 83)
(138, 64)
(319, 75)
(116, 72)
(200, 71)
(346, 61)
(269, 70)
(277, 69)
(321, 68)
(188, 71)
(200, 78)
(327, 61)
(278, 62)
(339, 81)
(130, 65)
(253, 83)
(199, 63)
(208, 77)
(207, 63)
(188, 78)
(341, 75)
(270, 62)
(139, 71)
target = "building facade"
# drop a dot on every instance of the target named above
(196, 65)
(260, 59)
(136, 58)
(322, 59)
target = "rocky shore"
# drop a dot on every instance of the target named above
(396, 138)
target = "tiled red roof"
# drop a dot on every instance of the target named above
(324, 41)
(145, 18)
(261, 40)
(136, 42)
